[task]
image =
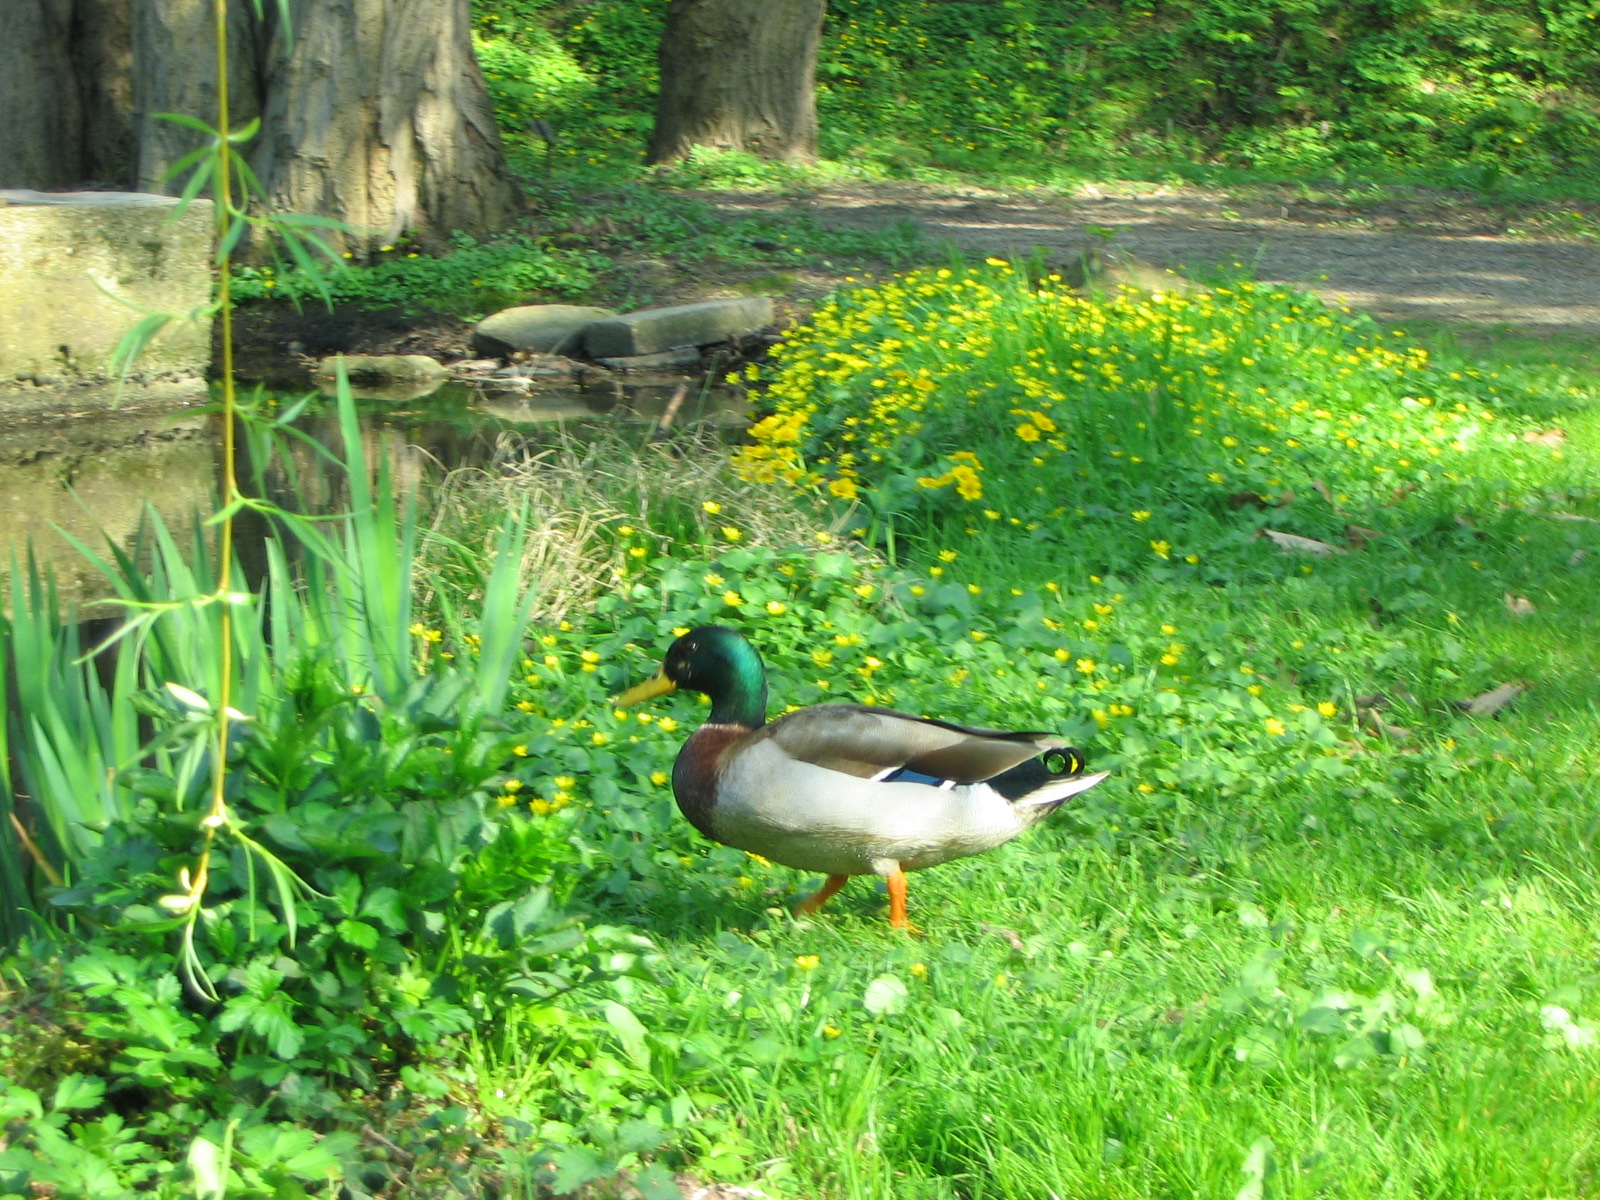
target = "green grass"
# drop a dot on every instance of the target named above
(1346, 963)
(1304, 942)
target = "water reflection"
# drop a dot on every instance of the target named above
(92, 477)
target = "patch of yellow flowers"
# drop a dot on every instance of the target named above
(988, 377)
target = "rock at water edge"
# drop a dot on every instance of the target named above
(653, 330)
(535, 329)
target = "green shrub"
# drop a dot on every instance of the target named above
(471, 279)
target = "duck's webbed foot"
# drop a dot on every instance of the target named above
(813, 904)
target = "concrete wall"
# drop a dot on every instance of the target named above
(80, 269)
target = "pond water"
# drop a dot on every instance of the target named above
(92, 474)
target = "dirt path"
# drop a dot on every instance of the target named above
(1433, 257)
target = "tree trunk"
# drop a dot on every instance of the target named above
(65, 94)
(739, 75)
(175, 71)
(373, 112)
(377, 115)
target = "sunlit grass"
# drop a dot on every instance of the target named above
(1322, 930)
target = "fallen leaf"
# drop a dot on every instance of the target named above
(1373, 720)
(1491, 702)
(1012, 937)
(1577, 557)
(1359, 535)
(1550, 437)
(1293, 543)
(1519, 606)
(1326, 494)
(1573, 517)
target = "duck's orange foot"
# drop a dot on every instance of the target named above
(813, 904)
(897, 904)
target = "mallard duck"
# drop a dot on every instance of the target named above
(847, 789)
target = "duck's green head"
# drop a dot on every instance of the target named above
(721, 663)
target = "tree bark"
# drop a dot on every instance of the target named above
(373, 112)
(65, 93)
(739, 75)
(377, 115)
(175, 71)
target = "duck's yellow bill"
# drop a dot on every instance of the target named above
(648, 690)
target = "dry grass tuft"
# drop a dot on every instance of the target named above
(676, 497)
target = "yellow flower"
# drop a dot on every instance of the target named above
(512, 785)
(732, 599)
(590, 656)
(637, 552)
(1061, 654)
(1141, 514)
(667, 725)
(845, 489)
(711, 507)
(864, 590)
(919, 970)
(625, 530)
(968, 485)
(822, 657)
(1328, 709)
(918, 590)
(1091, 624)
(1087, 666)
(520, 751)
(775, 607)
(711, 580)
(551, 661)
(746, 882)
(1254, 689)
(505, 801)
(808, 962)
(1169, 630)
(1028, 432)
(680, 630)
(1147, 788)
(1169, 660)
(947, 556)
(525, 706)
(978, 635)
(598, 738)
(659, 778)
(974, 589)
(1163, 549)
(1276, 727)
(732, 533)
(831, 1031)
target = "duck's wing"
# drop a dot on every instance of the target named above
(871, 742)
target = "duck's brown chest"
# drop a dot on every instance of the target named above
(698, 770)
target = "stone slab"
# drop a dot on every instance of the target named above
(78, 270)
(535, 329)
(653, 330)
(684, 356)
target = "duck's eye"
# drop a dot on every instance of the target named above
(1062, 762)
